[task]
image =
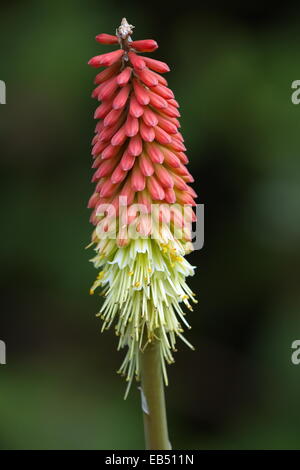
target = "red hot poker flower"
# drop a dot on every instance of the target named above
(139, 159)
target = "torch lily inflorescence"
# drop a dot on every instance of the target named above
(142, 204)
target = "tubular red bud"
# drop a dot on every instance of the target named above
(170, 111)
(188, 178)
(182, 197)
(112, 118)
(109, 152)
(154, 153)
(107, 88)
(166, 125)
(171, 159)
(191, 191)
(164, 92)
(178, 137)
(164, 176)
(99, 127)
(131, 126)
(146, 165)
(98, 147)
(93, 201)
(161, 136)
(155, 189)
(108, 188)
(106, 39)
(136, 61)
(147, 77)
(107, 73)
(146, 45)
(124, 76)
(183, 158)
(179, 147)
(174, 103)
(147, 132)
(119, 137)
(156, 65)
(118, 175)
(105, 60)
(160, 79)
(127, 161)
(103, 109)
(157, 101)
(95, 139)
(135, 146)
(179, 183)
(108, 132)
(141, 93)
(182, 171)
(106, 168)
(150, 118)
(135, 109)
(170, 195)
(121, 98)
(138, 180)
(97, 162)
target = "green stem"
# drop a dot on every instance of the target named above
(154, 409)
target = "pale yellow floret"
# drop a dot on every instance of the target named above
(144, 288)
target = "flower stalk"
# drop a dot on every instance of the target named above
(153, 399)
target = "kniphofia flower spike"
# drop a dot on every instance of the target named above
(142, 204)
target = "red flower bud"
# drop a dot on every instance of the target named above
(106, 59)
(107, 39)
(146, 45)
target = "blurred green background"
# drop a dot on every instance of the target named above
(232, 69)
